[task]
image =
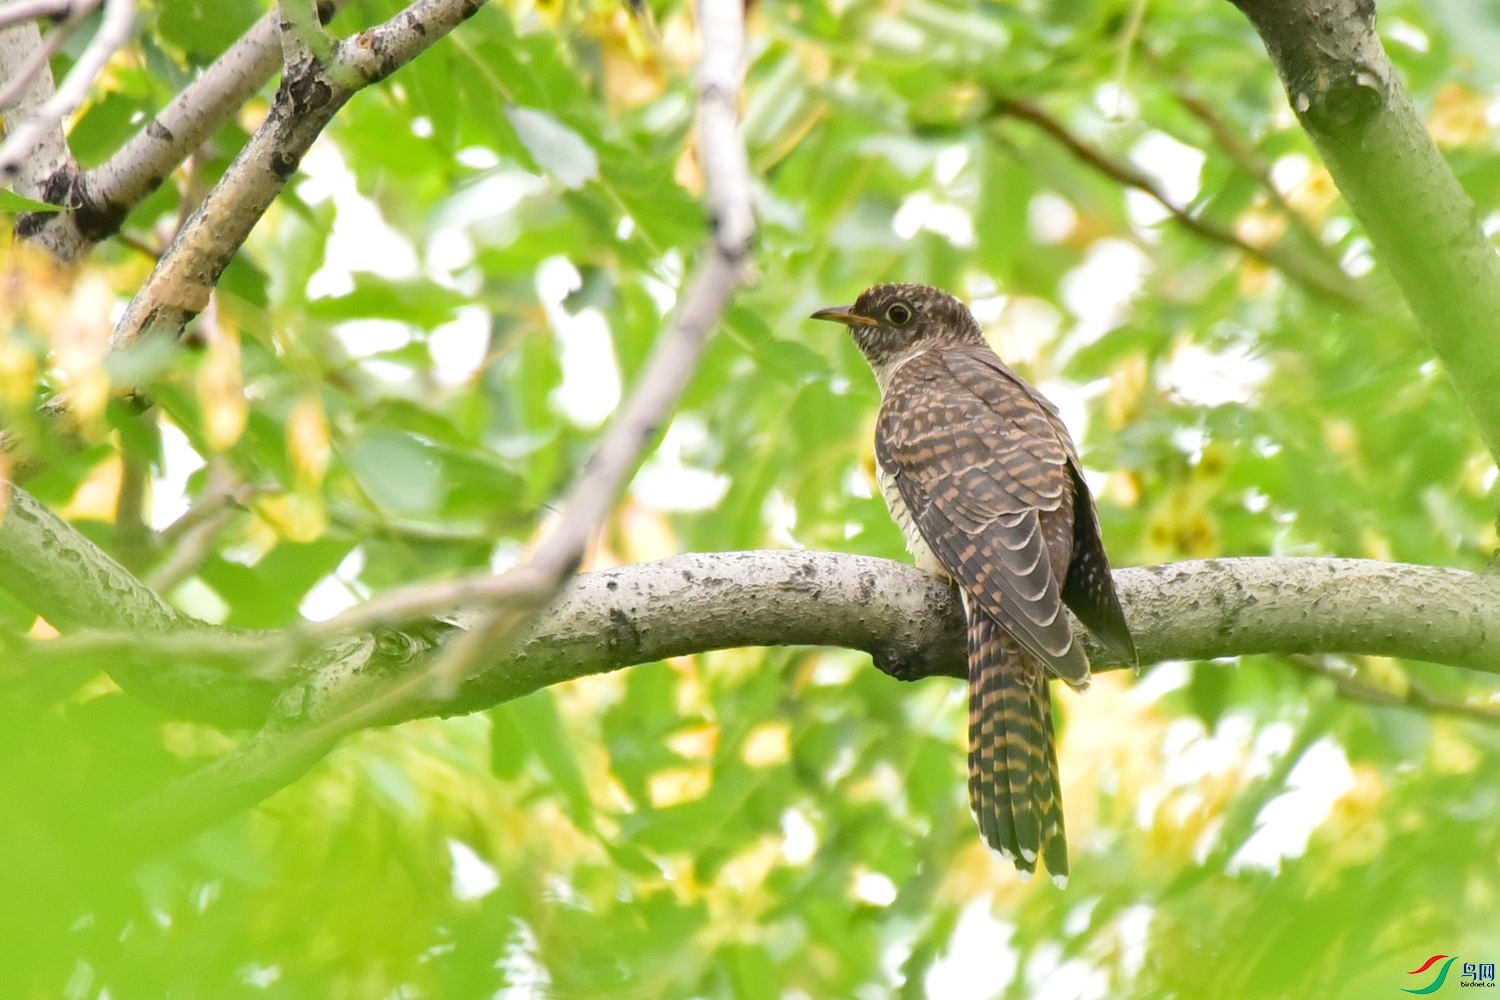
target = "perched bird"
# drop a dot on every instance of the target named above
(985, 483)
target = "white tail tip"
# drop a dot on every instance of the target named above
(1061, 881)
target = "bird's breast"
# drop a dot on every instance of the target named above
(926, 561)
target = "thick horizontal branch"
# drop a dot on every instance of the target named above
(1423, 225)
(912, 625)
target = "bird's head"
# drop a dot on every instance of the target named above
(891, 321)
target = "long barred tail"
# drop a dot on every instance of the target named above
(1013, 786)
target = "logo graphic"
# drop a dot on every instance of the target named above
(1433, 986)
(1474, 974)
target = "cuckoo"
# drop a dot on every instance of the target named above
(980, 474)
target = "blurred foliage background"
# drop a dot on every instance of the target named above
(412, 356)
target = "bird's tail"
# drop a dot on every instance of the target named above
(1013, 786)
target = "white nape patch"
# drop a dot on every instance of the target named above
(361, 240)
(1098, 291)
(1287, 822)
(1050, 218)
(458, 348)
(799, 837)
(338, 591)
(361, 338)
(473, 877)
(667, 482)
(923, 210)
(590, 388)
(874, 888)
(980, 960)
(169, 499)
(1201, 377)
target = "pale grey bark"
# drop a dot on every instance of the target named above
(41, 126)
(49, 154)
(98, 200)
(309, 96)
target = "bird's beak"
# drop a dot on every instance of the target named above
(845, 315)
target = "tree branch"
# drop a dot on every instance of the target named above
(20, 142)
(337, 701)
(96, 202)
(1314, 275)
(1423, 225)
(18, 11)
(910, 623)
(309, 96)
(50, 153)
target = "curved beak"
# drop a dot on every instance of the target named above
(845, 315)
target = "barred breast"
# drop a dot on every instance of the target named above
(901, 514)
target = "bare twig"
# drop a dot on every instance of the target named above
(50, 157)
(1348, 683)
(13, 88)
(114, 30)
(98, 200)
(290, 746)
(29, 10)
(1328, 281)
(179, 286)
(1251, 162)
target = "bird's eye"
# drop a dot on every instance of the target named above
(899, 313)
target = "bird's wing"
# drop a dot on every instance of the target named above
(1088, 588)
(987, 479)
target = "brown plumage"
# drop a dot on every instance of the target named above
(985, 483)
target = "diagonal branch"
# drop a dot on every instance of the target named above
(1314, 275)
(113, 32)
(49, 155)
(337, 702)
(18, 11)
(1410, 693)
(1422, 223)
(97, 201)
(311, 93)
